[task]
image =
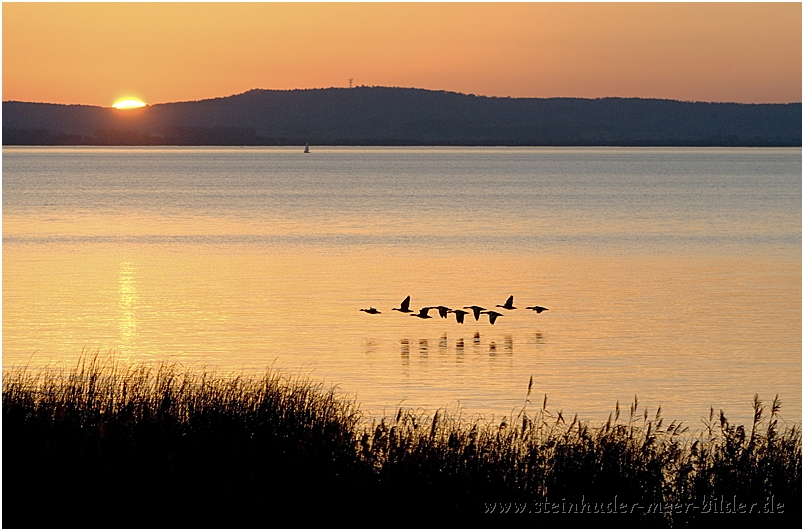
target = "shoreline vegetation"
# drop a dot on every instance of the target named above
(111, 445)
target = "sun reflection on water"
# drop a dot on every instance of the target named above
(128, 305)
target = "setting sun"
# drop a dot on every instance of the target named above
(128, 103)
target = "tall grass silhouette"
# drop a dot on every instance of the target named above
(112, 445)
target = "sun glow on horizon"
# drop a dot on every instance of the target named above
(741, 52)
(128, 103)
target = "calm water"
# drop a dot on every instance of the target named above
(670, 274)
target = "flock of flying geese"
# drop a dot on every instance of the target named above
(459, 314)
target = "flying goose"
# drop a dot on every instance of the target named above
(442, 311)
(476, 310)
(492, 315)
(537, 309)
(459, 314)
(423, 313)
(371, 310)
(509, 304)
(405, 306)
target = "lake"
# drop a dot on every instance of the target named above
(672, 274)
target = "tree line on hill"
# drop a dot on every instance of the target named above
(400, 116)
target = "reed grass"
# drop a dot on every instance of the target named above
(112, 445)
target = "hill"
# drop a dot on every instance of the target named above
(405, 116)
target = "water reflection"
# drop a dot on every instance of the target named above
(423, 347)
(371, 346)
(492, 346)
(405, 349)
(127, 302)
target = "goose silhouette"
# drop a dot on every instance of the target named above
(371, 310)
(442, 311)
(509, 304)
(423, 313)
(537, 309)
(405, 306)
(492, 315)
(476, 310)
(459, 315)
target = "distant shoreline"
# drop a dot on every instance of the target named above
(33, 139)
(386, 116)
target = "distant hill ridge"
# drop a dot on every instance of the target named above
(405, 116)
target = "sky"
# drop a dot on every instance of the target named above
(97, 53)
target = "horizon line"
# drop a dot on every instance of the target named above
(413, 88)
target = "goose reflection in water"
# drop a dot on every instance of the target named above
(405, 348)
(460, 346)
(371, 346)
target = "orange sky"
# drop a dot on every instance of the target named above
(95, 53)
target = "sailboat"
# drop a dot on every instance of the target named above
(307, 147)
